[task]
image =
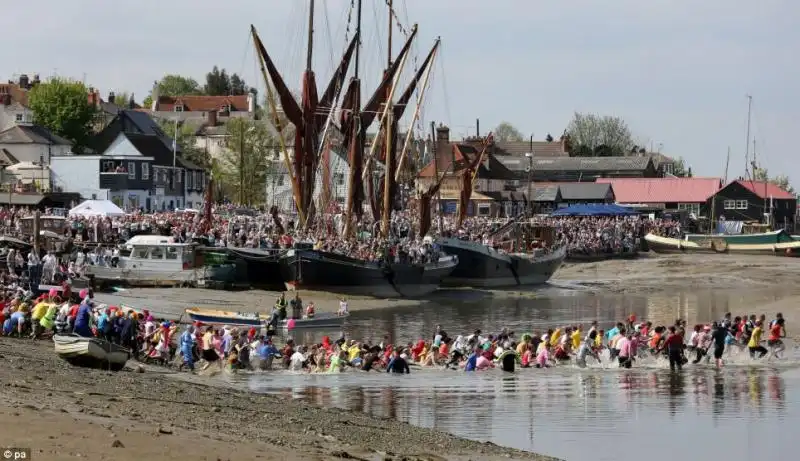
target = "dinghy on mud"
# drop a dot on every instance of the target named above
(253, 319)
(715, 244)
(91, 352)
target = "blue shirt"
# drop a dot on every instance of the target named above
(267, 350)
(102, 321)
(83, 317)
(612, 332)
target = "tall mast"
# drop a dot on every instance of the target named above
(389, 177)
(309, 51)
(389, 43)
(355, 136)
(747, 143)
(358, 45)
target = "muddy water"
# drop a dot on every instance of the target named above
(743, 411)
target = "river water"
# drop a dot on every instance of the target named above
(741, 412)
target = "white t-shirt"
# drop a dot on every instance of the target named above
(296, 361)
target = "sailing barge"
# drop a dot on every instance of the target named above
(319, 270)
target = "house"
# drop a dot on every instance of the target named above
(451, 160)
(134, 164)
(14, 102)
(584, 192)
(579, 169)
(194, 184)
(747, 200)
(690, 194)
(33, 143)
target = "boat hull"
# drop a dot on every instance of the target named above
(263, 267)
(716, 245)
(90, 352)
(140, 277)
(597, 257)
(320, 320)
(331, 272)
(482, 266)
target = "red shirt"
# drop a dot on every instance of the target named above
(775, 332)
(73, 310)
(673, 342)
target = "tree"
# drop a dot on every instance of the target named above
(245, 165)
(506, 132)
(679, 168)
(781, 180)
(592, 135)
(173, 85)
(121, 98)
(219, 83)
(62, 106)
(186, 137)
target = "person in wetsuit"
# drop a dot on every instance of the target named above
(719, 335)
(508, 359)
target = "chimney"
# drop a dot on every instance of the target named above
(212, 117)
(111, 97)
(132, 103)
(251, 102)
(442, 134)
(444, 152)
(23, 81)
(36, 80)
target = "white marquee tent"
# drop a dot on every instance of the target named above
(96, 208)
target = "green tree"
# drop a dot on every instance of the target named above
(220, 83)
(506, 132)
(187, 140)
(245, 165)
(593, 135)
(62, 106)
(173, 85)
(781, 180)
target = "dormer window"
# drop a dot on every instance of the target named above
(179, 107)
(225, 109)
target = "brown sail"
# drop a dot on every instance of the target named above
(468, 175)
(308, 117)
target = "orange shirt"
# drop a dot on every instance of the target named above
(443, 349)
(775, 332)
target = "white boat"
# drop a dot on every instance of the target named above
(91, 352)
(254, 319)
(154, 260)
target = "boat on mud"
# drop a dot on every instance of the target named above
(336, 273)
(516, 262)
(725, 244)
(255, 319)
(90, 352)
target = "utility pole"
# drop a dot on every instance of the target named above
(241, 164)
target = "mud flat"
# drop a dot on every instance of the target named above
(63, 412)
(685, 272)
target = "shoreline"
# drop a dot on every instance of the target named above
(60, 411)
(646, 275)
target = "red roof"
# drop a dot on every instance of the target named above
(765, 190)
(662, 190)
(203, 103)
(457, 152)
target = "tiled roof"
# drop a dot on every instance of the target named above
(203, 103)
(31, 134)
(539, 148)
(765, 190)
(491, 168)
(633, 163)
(151, 146)
(7, 158)
(662, 190)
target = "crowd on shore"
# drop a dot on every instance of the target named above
(94, 240)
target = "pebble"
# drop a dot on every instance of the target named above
(165, 431)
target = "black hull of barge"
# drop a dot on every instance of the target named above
(335, 273)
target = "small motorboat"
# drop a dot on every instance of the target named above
(90, 352)
(254, 319)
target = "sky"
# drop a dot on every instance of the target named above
(677, 71)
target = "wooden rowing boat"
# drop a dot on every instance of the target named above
(91, 352)
(254, 319)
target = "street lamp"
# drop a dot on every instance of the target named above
(529, 170)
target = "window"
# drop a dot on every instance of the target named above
(280, 180)
(338, 179)
(131, 170)
(225, 109)
(189, 180)
(108, 167)
(156, 253)
(172, 253)
(198, 180)
(179, 108)
(729, 204)
(178, 174)
(19, 117)
(690, 207)
(145, 171)
(741, 204)
(484, 209)
(669, 168)
(140, 252)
